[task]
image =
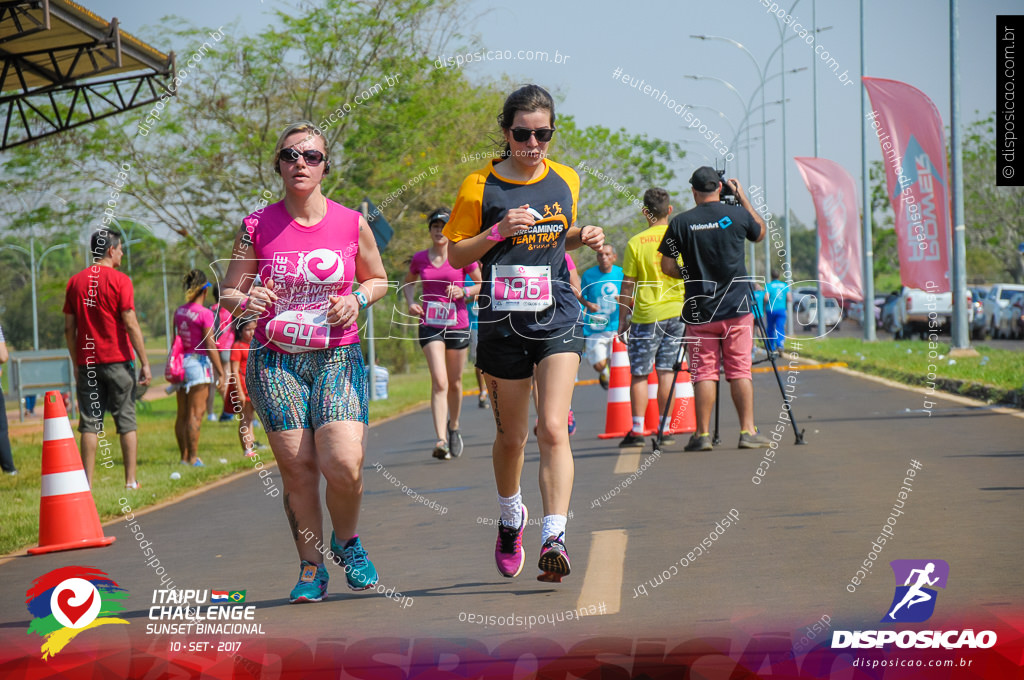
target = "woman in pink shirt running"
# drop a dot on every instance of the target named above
(444, 329)
(305, 372)
(193, 322)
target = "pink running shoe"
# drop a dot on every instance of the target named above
(572, 423)
(508, 552)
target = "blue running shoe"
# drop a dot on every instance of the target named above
(359, 570)
(312, 585)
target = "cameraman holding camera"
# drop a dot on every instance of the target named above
(710, 239)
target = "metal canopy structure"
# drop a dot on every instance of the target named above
(64, 66)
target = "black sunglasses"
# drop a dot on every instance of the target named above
(523, 134)
(312, 156)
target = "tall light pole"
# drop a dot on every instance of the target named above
(762, 73)
(869, 252)
(961, 338)
(163, 268)
(34, 267)
(817, 229)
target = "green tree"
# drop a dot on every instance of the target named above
(994, 215)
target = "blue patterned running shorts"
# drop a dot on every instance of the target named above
(308, 389)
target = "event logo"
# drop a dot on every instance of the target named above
(725, 222)
(70, 600)
(915, 602)
(322, 266)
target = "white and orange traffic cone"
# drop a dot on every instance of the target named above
(653, 414)
(67, 512)
(684, 416)
(619, 415)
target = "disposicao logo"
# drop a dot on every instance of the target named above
(913, 602)
(70, 600)
(923, 573)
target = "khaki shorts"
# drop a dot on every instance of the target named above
(106, 388)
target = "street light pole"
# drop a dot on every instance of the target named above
(960, 339)
(868, 245)
(817, 228)
(33, 269)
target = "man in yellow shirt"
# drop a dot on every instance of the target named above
(655, 327)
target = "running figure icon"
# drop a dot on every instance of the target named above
(915, 594)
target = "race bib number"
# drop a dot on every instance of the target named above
(520, 288)
(440, 314)
(597, 322)
(299, 331)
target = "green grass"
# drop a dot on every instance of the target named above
(158, 458)
(995, 375)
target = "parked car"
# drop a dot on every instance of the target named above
(978, 305)
(855, 312)
(999, 296)
(807, 313)
(889, 316)
(921, 312)
(1010, 323)
(800, 293)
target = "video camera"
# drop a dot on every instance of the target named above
(727, 195)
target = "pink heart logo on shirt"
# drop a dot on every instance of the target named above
(323, 266)
(315, 266)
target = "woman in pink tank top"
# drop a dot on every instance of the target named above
(193, 323)
(444, 329)
(295, 268)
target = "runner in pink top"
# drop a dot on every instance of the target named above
(444, 329)
(308, 266)
(305, 371)
(193, 323)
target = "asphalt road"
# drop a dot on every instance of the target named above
(801, 534)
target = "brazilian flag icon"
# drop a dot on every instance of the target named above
(237, 596)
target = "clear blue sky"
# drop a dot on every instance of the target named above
(907, 40)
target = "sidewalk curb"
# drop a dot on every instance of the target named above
(960, 399)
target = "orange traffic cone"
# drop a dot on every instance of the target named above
(619, 416)
(653, 413)
(67, 512)
(684, 416)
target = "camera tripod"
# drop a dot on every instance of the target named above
(656, 441)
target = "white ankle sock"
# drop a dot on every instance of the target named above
(638, 424)
(553, 525)
(511, 509)
(665, 423)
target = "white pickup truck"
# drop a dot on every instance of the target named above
(914, 307)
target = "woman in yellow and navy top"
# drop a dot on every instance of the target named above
(517, 216)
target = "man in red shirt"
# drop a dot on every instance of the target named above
(101, 329)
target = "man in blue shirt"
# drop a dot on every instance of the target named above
(776, 300)
(601, 286)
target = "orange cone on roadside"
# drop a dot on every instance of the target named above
(619, 416)
(652, 415)
(67, 512)
(684, 416)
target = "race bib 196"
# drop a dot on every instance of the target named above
(520, 288)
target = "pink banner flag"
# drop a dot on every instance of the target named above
(835, 202)
(909, 129)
